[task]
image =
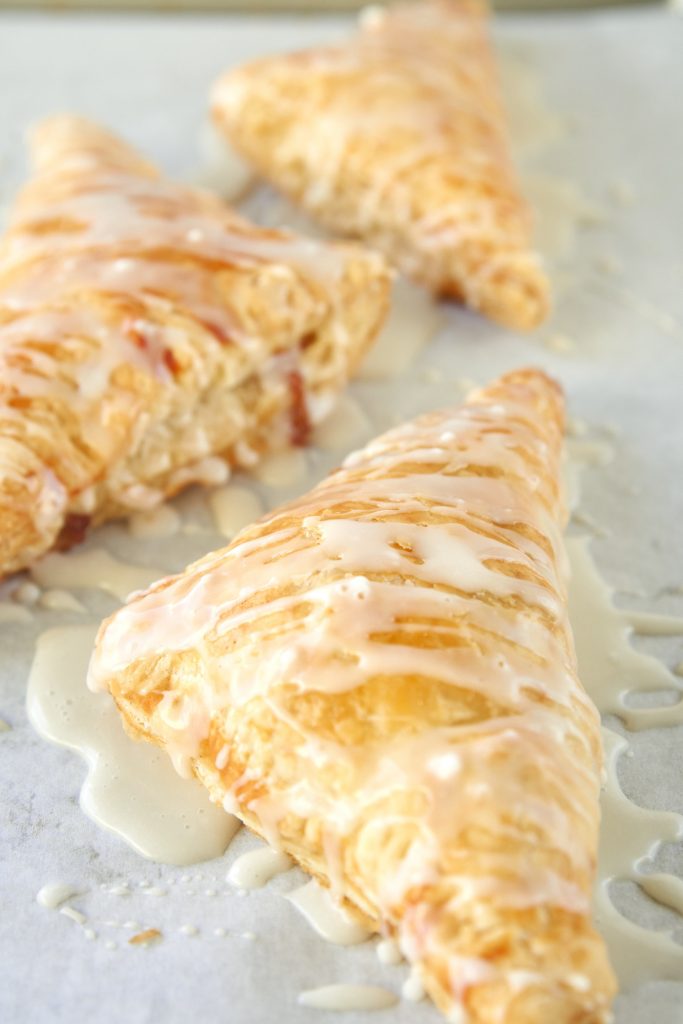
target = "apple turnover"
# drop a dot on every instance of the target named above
(149, 337)
(398, 137)
(380, 679)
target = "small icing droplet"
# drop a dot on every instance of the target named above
(412, 988)
(73, 914)
(27, 593)
(254, 869)
(317, 906)
(54, 894)
(560, 343)
(283, 469)
(458, 1015)
(388, 952)
(344, 428)
(163, 521)
(233, 508)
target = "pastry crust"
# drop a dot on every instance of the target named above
(146, 329)
(380, 678)
(399, 137)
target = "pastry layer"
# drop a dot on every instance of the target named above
(146, 329)
(380, 678)
(398, 136)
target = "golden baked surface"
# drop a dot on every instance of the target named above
(380, 677)
(146, 329)
(398, 136)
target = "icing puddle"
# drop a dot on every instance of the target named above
(413, 321)
(610, 668)
(254, 869)
(131, 788)
(628, 834)
(96, 568)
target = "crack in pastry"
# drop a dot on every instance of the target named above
(379, 678)
(146, 329)
(398, 137)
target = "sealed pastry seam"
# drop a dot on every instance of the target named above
(150, 337)
(379, 678)
(398, 136)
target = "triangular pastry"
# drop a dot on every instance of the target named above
(380, 678)
(398, 137)
(145, 329)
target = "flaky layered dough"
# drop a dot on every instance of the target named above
(399, 137)
(380, 678)
(146, 329)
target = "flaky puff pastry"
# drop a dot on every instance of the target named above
(146, 329)
(380, 679)
(399, 137)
